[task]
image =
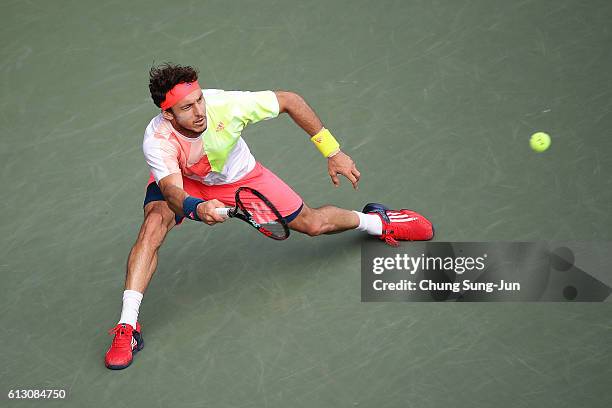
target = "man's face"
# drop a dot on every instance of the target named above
(190, 112)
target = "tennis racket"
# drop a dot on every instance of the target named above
(256, 210)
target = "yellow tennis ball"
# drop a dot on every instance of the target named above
(539, 142)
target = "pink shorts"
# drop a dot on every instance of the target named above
(286, 201)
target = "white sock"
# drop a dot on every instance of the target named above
(131, 304)
(371, 223)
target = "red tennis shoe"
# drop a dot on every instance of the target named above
(126, 343)
(403, 225)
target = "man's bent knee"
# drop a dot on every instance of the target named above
(314, 229)
(308, 222)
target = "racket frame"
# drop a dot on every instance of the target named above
(241, 212)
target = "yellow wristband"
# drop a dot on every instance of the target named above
(325, 142)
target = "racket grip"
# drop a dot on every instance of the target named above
(223, 211)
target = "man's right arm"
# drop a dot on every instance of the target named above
(171, 187)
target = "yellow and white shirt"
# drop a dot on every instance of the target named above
(219, 155)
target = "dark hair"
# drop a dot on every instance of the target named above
(162, 78)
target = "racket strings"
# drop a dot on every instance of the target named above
(263, 214)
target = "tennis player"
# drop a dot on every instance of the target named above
(198, 159)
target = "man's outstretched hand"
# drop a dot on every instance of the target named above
(342, 163)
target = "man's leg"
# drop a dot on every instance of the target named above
(375, 219)
(142, 261)
(141, 265)
(324, 220)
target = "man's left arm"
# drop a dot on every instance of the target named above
(304, 116)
